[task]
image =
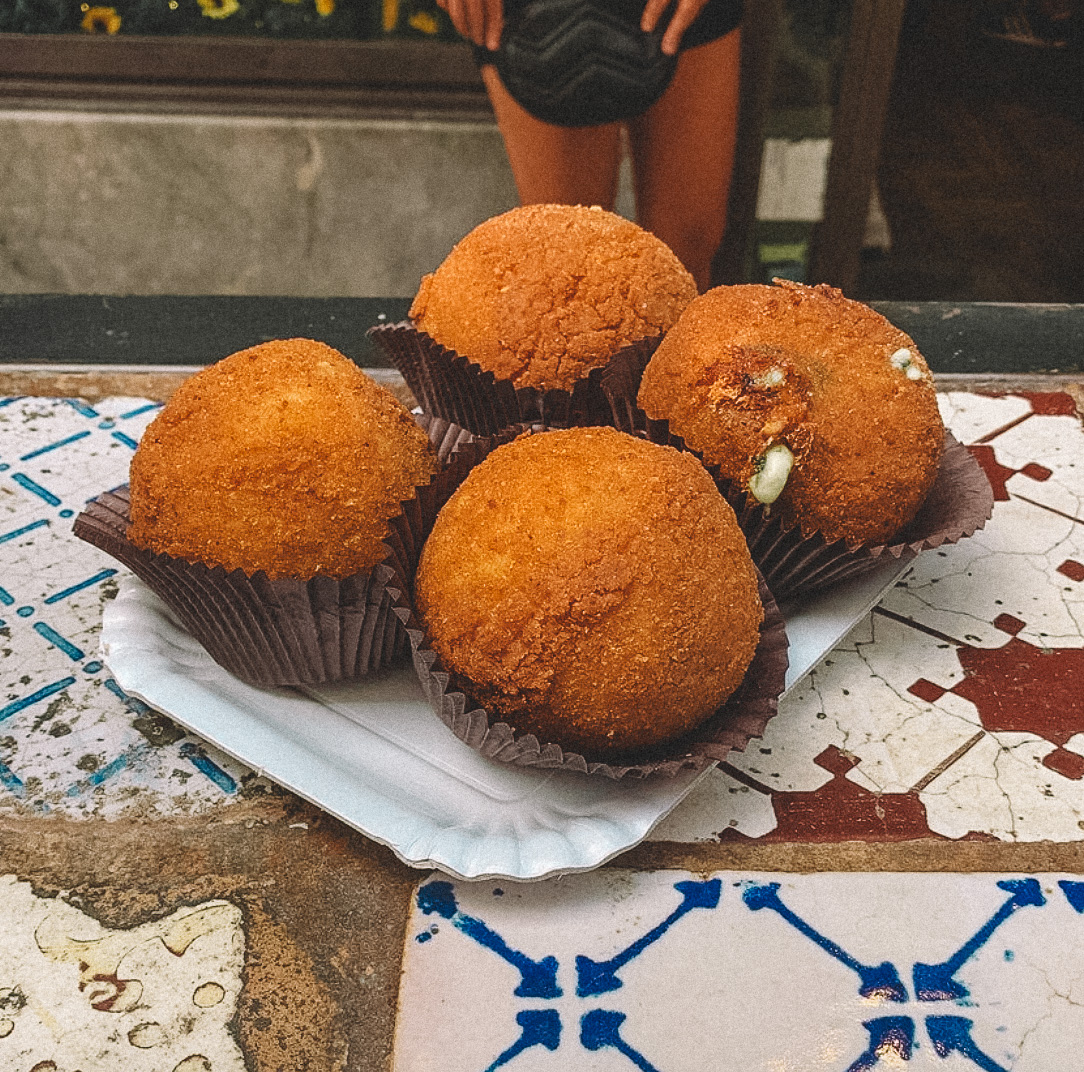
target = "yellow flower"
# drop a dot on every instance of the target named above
(97, 19)
(325, 7)
(422, 20)
(391, 15)
(219, 9)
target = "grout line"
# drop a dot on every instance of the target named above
(1051, 509)
(1004, 428)
(928, 630)
(932, 853)
(947, 762)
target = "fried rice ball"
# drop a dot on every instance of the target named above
(544, 293)
(603, 615)
(805, 399)
(284, 457)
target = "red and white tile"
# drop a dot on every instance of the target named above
(957, 708)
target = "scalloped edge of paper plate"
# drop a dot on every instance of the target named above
(373, 754)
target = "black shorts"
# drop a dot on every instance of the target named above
(715, 19)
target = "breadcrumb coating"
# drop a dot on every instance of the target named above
(544, 293)
(848, 393)
(591, 588)
(284, 457)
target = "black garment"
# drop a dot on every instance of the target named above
(715, 19)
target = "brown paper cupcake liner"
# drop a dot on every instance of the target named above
(742, 717)
(958, 505)
(449, 385)
(284, 631)
(266, 632)
(796, 562)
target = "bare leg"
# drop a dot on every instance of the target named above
(682, 148)
(683, 154)
(551, 164)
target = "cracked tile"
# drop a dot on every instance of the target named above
(718, 802)
(1004, 569)
(970, 417)
(1005, 787)
(957, 707)
(75, 994)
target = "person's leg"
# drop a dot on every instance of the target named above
(551, 164)
(683, 154)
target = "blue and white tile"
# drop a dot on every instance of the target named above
(675, 972)
(71, 742)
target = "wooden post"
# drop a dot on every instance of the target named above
(857, 126)
(760, 34)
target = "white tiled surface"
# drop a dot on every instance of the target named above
(680, 972)
(159, 997)
(887, 739)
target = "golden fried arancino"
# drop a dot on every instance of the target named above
(812, 403)
(542, 294)
(591, 588)
(284, 457)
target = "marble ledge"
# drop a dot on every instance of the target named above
(159, 382)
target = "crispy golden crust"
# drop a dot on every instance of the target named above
(284, 457)
(592, 589)
(544, 293)
(749, 366)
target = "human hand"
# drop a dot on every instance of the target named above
(480, 21)
(684, 13)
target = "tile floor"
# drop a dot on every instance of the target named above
(954, 711)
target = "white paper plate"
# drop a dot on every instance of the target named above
(375, 756)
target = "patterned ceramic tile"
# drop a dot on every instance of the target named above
(980, 645)
(957, 709)
(971, 416)
(71, 742)
(157, 998)
(718, 803)
(672, 971)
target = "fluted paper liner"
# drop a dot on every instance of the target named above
(730, 728)
(283, 631)
(450, 385)
(796, 562)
